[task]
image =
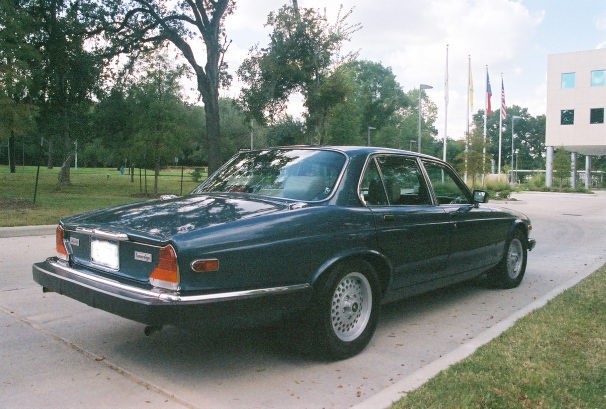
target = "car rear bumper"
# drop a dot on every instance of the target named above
(249, 307)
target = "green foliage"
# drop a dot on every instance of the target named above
(300, 57)
(561, 166)
(196, 175)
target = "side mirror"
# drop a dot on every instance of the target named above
(480, 196)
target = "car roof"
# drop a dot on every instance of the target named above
(357, 150)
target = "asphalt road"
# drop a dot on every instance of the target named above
(58, 353)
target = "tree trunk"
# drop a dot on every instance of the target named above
(213, 132)
(156, 176)
(63, 179)
(11, 153)
(49, 163)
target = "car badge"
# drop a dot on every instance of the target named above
(141, 256)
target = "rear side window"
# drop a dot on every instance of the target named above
(448, 188)
(394, 180)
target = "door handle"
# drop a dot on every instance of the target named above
(388, 218)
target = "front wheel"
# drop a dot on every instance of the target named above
(346, 309)
(510, 270)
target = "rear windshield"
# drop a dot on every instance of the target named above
(298, 174)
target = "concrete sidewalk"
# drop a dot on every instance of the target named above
(21, 231)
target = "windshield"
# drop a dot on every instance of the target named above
(299, 174)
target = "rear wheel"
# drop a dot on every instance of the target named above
(346, 309)
(510, 270)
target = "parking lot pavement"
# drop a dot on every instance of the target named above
(58, 353)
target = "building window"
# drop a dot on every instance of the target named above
(568, 80)
(596, 116)
(598, 78)
(567, 117)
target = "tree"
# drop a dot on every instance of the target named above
(561, 165)
(139, 24)
(17, 57)
(529, 138)
(475, 157)
(67, 78)
(158, 115)
(301, 57)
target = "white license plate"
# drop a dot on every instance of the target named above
(105, 253)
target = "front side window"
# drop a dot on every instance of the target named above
(596, 116)
(299, 174)
(568, 80)
(567, 117)
(448, 188)
(394, 180)
(598, 78)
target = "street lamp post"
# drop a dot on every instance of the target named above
(421, 88)
(370, 128)
(513, 118)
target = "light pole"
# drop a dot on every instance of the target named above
(370, 128)
(513, 118)
(421, 88)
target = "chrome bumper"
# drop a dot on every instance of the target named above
(154, 307)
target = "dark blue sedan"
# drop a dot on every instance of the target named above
(322, 235)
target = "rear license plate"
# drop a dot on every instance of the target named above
(105, 253)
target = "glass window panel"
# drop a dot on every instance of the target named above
(596, 116)
(447, 187)
(598, 78)
(567, 117)
(568, 80)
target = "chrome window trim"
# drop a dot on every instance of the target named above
(173, 298)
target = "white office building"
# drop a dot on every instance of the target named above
(576, 99)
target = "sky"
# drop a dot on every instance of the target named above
(511, 37)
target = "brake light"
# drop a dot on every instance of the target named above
(166, 273)
(60, 243)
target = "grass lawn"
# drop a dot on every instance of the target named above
(553, 358)
(91, 189)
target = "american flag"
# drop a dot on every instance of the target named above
(503, 107)
(488, 94)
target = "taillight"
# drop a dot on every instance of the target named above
(60, 244)
(166, 273)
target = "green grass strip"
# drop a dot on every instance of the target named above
(553, 358)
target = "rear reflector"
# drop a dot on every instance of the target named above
(205, 266)
(166, 273)
(60, 244)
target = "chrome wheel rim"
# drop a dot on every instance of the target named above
(515, 258)
(351, 306)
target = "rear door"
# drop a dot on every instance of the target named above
(410, 230)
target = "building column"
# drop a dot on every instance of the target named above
(549, 166)
(587, 172)
(573, 170)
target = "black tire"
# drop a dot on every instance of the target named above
(345, 310)
(510, 270)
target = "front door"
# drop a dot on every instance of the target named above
(473, 229)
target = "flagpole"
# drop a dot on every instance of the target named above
(486, 104)
(445, 108)
(501, 125)
(469, 107)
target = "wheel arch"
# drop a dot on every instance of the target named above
(518, 225)
(377, 260)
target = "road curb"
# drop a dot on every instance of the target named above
(388, 396)
(21, 231)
